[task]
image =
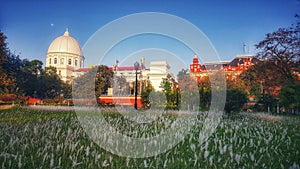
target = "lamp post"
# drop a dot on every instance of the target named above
(136, 67)
(177, 97)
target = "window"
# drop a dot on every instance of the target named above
(55, 60)
(50, 61)
(62, 60)
(69, 61)
(76, 62)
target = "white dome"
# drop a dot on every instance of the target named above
(65, 44)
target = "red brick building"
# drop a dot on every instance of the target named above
(232, 68)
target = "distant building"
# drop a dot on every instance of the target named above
(232, 69)
(80, 71)
(158, 71)
(64, 53)
(155, 73)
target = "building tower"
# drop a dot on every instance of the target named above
(195, 67)
(64, 53)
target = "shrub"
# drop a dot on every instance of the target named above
(235, 100)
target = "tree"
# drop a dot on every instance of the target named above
(204, 93)
(6, 82)
(157, 100)
(166, 86)
(33, 67)
(11, 74)
(235, 100)
(98, 79)
(103, 80)
(27, 78)
(282, 48)
(147, 88)
(186, 82)
(182, 74)
(268, 101)
(120, 86)
(189, 90)
(290, 97)
(67, 90)
(3, 48)
(50, 85)
(263, 77)
(170, 94)
(50, 72)
(83, 86)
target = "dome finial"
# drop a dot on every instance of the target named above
(67, 32)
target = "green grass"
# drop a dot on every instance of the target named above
(54, 139)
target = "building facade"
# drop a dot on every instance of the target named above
(232, 69)
(64, 53)
(155, 73)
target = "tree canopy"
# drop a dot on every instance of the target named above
(27, 78)
(282, 48)
(98, 79)
(290, 97)
(278, 69)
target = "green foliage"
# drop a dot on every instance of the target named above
(84, 86)
(36, 82)
(147, 88)
(166, 86)
(103, 80)
(235, 100)
(23, 77)
(157, 100)
(120, 86)
(280, 55)
(263, 77)
(3, 47)
(205, 93)
(98, 79)
(189, 95)
(172, 95)
(189, 100)
(290, 97)
(269, 102)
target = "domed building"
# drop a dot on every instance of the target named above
(64, 53)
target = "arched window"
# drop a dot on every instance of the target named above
(62, 60)
(76, 62)
(55, 60)
(50, 61)
(69, 61)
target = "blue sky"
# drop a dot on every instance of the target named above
(31, 25)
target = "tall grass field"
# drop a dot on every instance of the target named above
(34, 138)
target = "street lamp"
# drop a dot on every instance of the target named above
(136, 67)
(177, 97)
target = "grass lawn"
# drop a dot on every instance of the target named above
(54, 139)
